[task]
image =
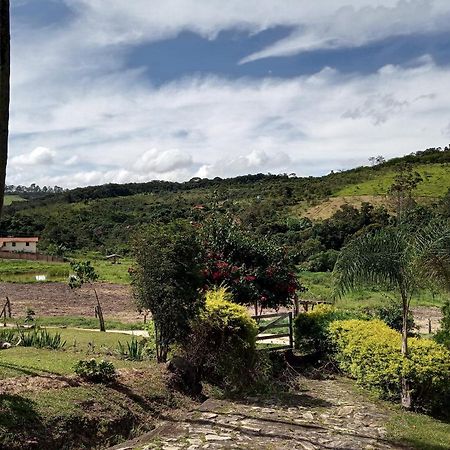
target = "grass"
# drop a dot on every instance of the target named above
(86, 322)
(22, 271)
(20, 361)
(320, 287)
(419, 431)
(436, 182)
(13, 198)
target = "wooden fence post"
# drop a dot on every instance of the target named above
(291, 336)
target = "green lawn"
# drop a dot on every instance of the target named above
(80, 344)
(436, 182)
(419, 431)
(320, 287)
(13, 198)
(22, 271)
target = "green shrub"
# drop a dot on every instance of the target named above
(443, 335)
(311, 328)
(41, 338)
(133, 350)
(370, 352)
(98, 372)
(391, 314)
(10, 336)
(222, 342)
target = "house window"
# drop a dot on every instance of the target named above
(13, 244)
(27, 244)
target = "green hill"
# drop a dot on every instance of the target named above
(13, 198)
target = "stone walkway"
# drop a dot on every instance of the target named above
(325, 414)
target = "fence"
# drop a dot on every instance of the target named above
(30, 256)
(279, 341)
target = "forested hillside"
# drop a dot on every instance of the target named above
(285, 207)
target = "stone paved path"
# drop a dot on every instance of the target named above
(325, 414)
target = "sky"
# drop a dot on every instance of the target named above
(136, 90)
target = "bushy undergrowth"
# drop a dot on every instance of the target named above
(98, 372)
(311, 328)
(222, 342)
(443, 335)
(132, 350)
(391, 314)
(370, 352)
(41, 338)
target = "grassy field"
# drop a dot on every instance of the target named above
(320, 287)
(19, 361)
(13, 198)
(22, 271)
(436, 182)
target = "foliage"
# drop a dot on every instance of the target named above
(443, 335)
(391, 314)
(84, 273)
(311, 328)
(9, 335)
(255, 270)
(132, 350)
(369, 351)
(222, 342)
(98, 372)
(41, 338)
(30, 316)
(166, 280)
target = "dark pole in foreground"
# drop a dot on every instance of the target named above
(4, 93)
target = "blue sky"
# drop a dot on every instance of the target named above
(124, 91)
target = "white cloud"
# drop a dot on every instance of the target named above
(162, 162)
(40, 156)
(72, 92)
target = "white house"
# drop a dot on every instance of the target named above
(18, 244)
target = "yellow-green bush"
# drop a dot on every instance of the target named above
(370, 352)
(311, 328)
(222, 342)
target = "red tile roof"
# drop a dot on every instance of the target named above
(18, 239)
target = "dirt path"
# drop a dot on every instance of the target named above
(325, 414)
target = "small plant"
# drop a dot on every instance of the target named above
(98, 372)
(8, 336)
(30, 317)
(41, 339)
(133, 350)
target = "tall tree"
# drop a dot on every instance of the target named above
(396, 260)
(4, 92)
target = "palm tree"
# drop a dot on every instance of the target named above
(398, 260)
(4, 93)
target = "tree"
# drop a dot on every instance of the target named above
(403, 187)
(85, 273)
(394, 259)
(166, 280)
(256, 271)
(4, 92)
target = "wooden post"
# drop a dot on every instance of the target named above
(8, 303)
(291, 336)
(429, 326)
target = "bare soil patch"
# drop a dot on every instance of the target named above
(57, 299)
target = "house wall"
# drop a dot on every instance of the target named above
(19, 247)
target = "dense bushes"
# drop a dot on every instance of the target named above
(370, 352)
(443, 335)
(311, 328)
(98, 372)
(222, 342)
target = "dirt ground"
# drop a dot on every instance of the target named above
(57, 299)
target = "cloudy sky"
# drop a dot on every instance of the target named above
(135, 90)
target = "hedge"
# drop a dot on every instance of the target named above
(311, 328)
(370, 352)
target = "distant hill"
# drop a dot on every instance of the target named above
(13, 198)
(103, 217)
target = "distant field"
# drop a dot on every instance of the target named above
(13, 198)
(436, 182)
(22, 271)
(320, 287)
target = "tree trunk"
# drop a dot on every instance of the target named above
(100, 313)
(4, 93)
(406, 389)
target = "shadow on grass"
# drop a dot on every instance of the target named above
(26, 370)
(19, 415)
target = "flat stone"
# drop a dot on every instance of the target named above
(216, 437)
(308, 415)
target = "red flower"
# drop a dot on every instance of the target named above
(250, 278)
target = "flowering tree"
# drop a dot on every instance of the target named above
(256, 271)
